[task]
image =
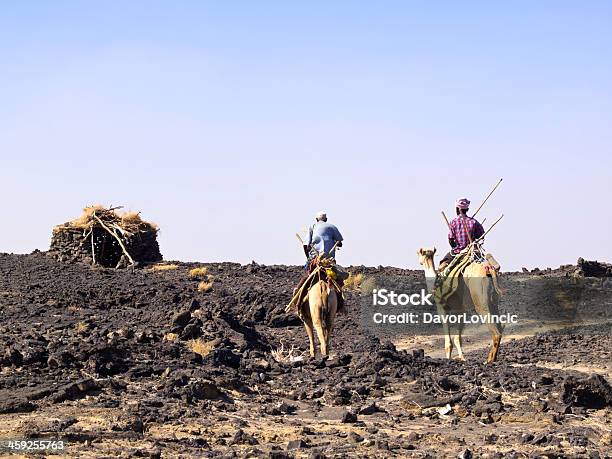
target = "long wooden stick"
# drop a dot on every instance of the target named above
(494, 223)
(466, 229)
(446, 220)
(488, 196)
(334, 247)
(85, 236)
(302, 245)
(116, 237)
(122, 231)
(93, 248)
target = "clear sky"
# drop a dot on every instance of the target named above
(231, 123)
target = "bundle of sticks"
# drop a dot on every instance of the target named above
(474, 215)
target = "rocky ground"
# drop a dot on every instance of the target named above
(142, 363)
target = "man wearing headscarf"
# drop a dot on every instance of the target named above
(462, 231)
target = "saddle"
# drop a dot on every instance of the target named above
(324, 269)
(447, 281)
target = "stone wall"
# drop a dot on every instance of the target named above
(74, 244)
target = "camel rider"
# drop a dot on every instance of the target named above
(322, 239)
(462, 230)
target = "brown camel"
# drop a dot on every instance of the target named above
(476, 291)
(319, 315)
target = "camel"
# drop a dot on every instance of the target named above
(320, 315)
(476, 290)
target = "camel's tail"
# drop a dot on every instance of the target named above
(493, 268)
(500, 291)
(324, 305)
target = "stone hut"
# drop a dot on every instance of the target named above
(106, 237)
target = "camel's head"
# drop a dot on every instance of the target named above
(426, 257)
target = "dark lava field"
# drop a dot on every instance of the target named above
(140, 362)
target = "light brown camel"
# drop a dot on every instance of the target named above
(476, 290)
(319, 315)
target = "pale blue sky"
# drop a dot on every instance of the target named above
(231, 123)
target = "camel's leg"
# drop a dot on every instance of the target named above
(448, 342)
(318, 300)
(496, 334)
(322, 337)
(481, 292)
(496, 337)
(308, 326)
(457, 342)
(332, 307)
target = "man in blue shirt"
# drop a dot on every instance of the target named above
(323, 238)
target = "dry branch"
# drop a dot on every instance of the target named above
(127, 254)
(93, 248)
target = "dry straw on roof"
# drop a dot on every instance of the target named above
(127, 221)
